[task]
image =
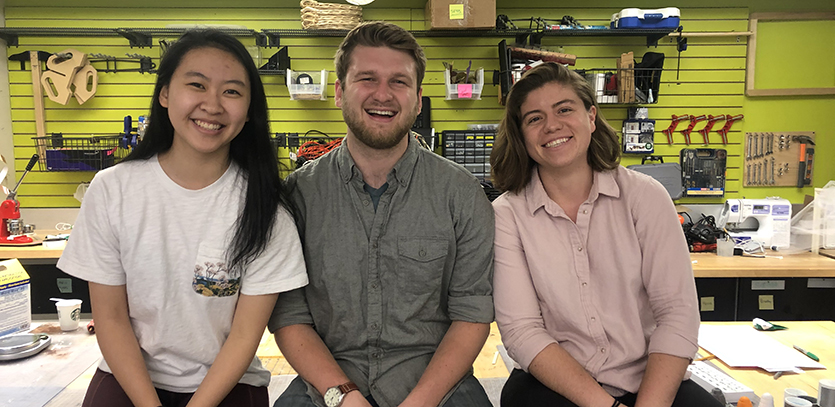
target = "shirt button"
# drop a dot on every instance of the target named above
(365, 202)
(593, 319)
(602, 350)
(374, 326)
(422, 253)
(585, 284)
(373, 286)
(374, 355)
(585, 211)
(374, 245)
(579, 249)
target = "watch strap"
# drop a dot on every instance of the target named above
(348, 387)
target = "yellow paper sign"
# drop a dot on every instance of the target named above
(708, 304)
(456, 11)
(766, 302)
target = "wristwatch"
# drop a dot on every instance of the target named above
(335, 394)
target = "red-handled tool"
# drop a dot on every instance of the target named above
(11, 230)
(711, 120)
(689, 129)
(669, 130)
(727, 127)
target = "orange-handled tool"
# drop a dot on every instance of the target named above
(801, 167)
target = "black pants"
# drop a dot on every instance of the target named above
(522, 389)
(105, 391)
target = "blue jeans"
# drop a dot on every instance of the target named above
(468, 394)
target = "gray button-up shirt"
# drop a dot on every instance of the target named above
(386, 285)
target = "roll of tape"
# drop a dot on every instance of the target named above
(826, 393)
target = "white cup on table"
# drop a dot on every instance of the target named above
(796, 402)
(69, 312)
(792, 392)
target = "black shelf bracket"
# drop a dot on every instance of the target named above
(536, 39)
(278, 63)
(652, 39)
(11, 39)
(268, 39)
(136, 39)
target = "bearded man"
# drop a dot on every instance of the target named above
(399, 246)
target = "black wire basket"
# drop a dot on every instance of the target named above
(624, 85)
(60, 153)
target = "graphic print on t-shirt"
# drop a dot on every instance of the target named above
(214, 279)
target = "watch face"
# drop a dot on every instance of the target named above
(332, 397)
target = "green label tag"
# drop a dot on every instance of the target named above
(64, 285)
(456, 11)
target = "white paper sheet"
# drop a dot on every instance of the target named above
(743, 346)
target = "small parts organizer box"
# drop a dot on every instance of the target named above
(59, 153)
(646, 19)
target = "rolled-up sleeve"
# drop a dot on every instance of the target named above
(470, 297)
(667, 273)
(518, 313)
(290, 309)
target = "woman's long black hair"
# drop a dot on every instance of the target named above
(251, 150)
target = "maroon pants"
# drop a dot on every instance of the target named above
(105, 391)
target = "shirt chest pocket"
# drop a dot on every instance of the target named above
(420, 264)
(212, 276)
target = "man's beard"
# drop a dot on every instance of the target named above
(374, 138)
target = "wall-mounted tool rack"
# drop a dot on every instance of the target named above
(268, 38)
(773, 159)
(137, 37)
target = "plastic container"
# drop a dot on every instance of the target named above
(307, 85)
(636, 18)
(464, 91)
(725, 248)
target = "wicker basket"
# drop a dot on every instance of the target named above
(320, 16)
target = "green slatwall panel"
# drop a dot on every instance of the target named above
(711, 78)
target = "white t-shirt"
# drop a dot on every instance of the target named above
(167, 244)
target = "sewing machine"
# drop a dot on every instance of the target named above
(767, 221)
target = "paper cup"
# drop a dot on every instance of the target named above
(69, 312)
(797, 402)
(792, 392)
(826, 393)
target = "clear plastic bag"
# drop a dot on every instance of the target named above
(813, 227)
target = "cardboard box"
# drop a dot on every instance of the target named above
(460, 14)
(15, 298)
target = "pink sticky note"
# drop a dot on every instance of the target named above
(465, 91)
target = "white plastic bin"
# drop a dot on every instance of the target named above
(307, 85)
(464, 91)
